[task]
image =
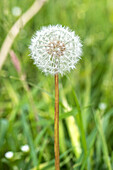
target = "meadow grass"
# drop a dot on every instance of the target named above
(86, 94)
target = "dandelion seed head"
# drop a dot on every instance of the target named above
(102, 106)
(16, 11)
(55, 49)
(25, 148)
(9, 154)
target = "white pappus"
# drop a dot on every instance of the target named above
(55, 49)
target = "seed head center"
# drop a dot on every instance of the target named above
(56, 48)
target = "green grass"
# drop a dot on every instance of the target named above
(27, 107)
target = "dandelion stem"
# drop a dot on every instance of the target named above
(56, 124)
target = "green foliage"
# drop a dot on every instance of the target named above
(27, 105)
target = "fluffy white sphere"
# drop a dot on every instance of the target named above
(25, 148)
(9, 154)
(55, 49)
(16, 11)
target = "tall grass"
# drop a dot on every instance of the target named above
(86, 128)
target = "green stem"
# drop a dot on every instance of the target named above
(56, 124)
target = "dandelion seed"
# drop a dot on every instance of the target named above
(9, 154)
(53, 49)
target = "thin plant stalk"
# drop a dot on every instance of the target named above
(56, 124)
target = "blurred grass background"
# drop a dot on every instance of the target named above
(86, 94)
